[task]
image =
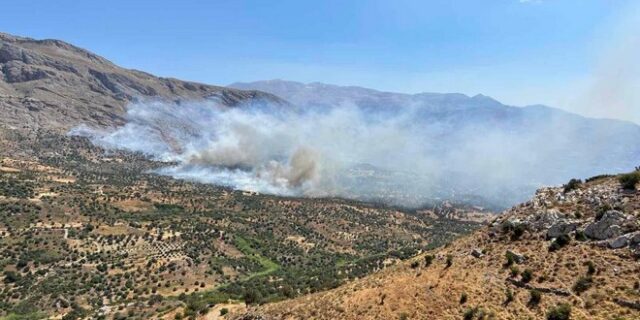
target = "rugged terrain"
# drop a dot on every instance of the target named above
(91, 233)
(88, 233)
(571, 250)
(53, 85)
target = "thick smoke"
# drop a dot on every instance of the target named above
(263, 149)
(409, 156)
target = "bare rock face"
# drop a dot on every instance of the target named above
(609, 226)
(619, 242)
(18, 71)
(634, 238)
(545, 219)
(561, 228)
(68, 85)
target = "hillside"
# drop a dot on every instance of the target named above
(577, 249)
(89, 233)
(51, 84)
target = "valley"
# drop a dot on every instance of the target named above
(90, 233)
(124, 195)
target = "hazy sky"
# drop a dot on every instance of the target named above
(563, 53)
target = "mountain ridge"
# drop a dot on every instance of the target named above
(51, 84)
(272, 85)
(548, 146)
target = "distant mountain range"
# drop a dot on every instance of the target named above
(519, 148)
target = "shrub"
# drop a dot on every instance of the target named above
(527, 276)
(560, 312)
(583, 284)
(414, 264)
(518, 231)
(11, 277)
(601, 211)
(559, 242)
(572, 185)
(515, 229)
(598, 177)
(580, 236)
(509, 297)
(463, 298)
(428, 260)
(224, 311)
(511, 259)
(515, 271)
(629, 180)
(252, 296)
(534, 297)
(591, 268)
(449, 261)
(470, 313)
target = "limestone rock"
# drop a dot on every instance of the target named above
(634, 238)
(561, 228)
(619, 242)
(81, 87)
(609, 226)
(546, 219)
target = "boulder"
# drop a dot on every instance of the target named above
(619, 242)
(545, 219)
(561, 228)
(517, 257)
(634, 238)
(609, 226)
(477, 253)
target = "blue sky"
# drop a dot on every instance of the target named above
(521, 52)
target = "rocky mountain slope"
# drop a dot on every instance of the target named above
(51, 84)
(569, 253)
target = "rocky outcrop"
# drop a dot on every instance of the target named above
(609, 226)
(477, 253)
(562, 228)
(71, 85)
(626, 303)
(556, 291)
(545, 219)
(625, 240)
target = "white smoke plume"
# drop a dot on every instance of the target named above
(259, 149)
(402, 156)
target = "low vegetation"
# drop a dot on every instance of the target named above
(629, 180)
(82, 232)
